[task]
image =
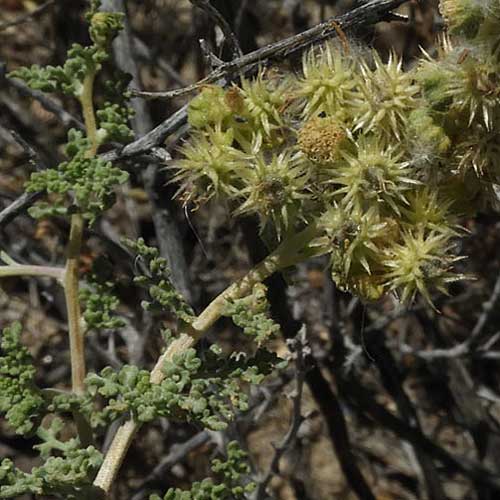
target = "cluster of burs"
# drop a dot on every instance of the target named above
(383, 160)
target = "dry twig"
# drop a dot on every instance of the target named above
(369, 13)
(299, 348)
(219, 20)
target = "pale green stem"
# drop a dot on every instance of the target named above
(27, 270)
(8, 259)
(71, 293)
(288, 253)
(87, 103)
(71, 275)
(76, 333)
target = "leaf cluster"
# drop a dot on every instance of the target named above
(113, 121)
(67, 79)
(156, 280)
(206, 391)
(84, 184)
(68, 476)
(99, 302)
(232, 471)
(251, 314)
(67, 471)
(20, 400)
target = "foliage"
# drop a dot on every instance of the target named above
(207, 391)
(251, 313)
(163, 295)
(20, 400)
(67, 476)
(67, 79)
(98, 299)
(24, 406)
(233, 471)
(113, 123)
(83, 184)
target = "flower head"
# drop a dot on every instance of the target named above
(473, 86)
(274, 189)
(463, 84)
(480, 151)
(374, 175)
(208, 108)
(428, 210)
(420, 262)
(355, 244)
(387, 94)
(211, 166)
(263, 104)
(329, 83)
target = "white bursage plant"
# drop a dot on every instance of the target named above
(355, 158)
(378, 162)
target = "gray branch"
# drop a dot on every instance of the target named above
(219, 20)
(369, 13)
(299, 348)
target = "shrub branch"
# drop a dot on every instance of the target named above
(287, 254)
